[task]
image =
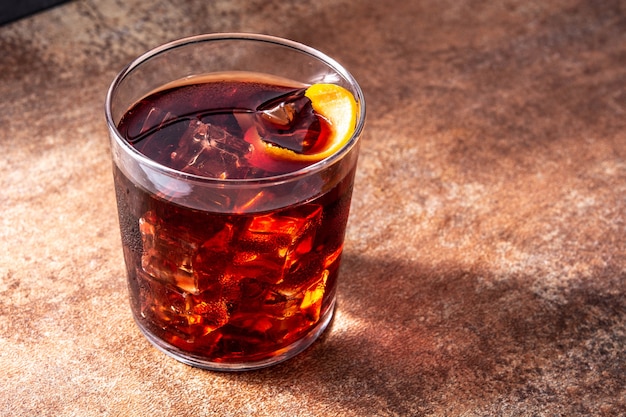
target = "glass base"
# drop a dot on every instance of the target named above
(285, 353)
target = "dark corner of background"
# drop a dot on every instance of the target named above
(11, 10)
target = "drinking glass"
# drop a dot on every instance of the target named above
(230, 274)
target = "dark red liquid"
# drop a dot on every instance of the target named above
(231, 288)
(206, 128)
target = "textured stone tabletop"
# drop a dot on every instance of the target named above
(485, 262)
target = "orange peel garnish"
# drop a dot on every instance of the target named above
(339, 109)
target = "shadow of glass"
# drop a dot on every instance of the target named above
(410, 340)
(451, 339)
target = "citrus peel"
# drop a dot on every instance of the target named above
(339, 109)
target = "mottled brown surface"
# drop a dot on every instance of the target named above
(485, 262)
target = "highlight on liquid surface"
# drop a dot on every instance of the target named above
(240, 287)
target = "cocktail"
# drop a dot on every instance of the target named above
(234, 161)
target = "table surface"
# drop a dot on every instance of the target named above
(484, 270)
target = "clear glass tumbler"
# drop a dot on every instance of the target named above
(230, 273)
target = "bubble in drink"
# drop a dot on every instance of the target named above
(238, 285)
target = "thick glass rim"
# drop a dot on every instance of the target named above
(229, 36)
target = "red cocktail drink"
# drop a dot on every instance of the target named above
(233, 211)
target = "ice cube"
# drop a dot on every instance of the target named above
(274, 315)
(289, 122)
(168, 252)
(213, 259)
(205, 312)
(209, 150)
(306, 282)
(259, 298)
(304, 272)
(161, 304)
(259, 307)
(272, 242)
(279, 306)
(311, 305)
(186, 316)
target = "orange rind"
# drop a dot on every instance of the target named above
(338, 107)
